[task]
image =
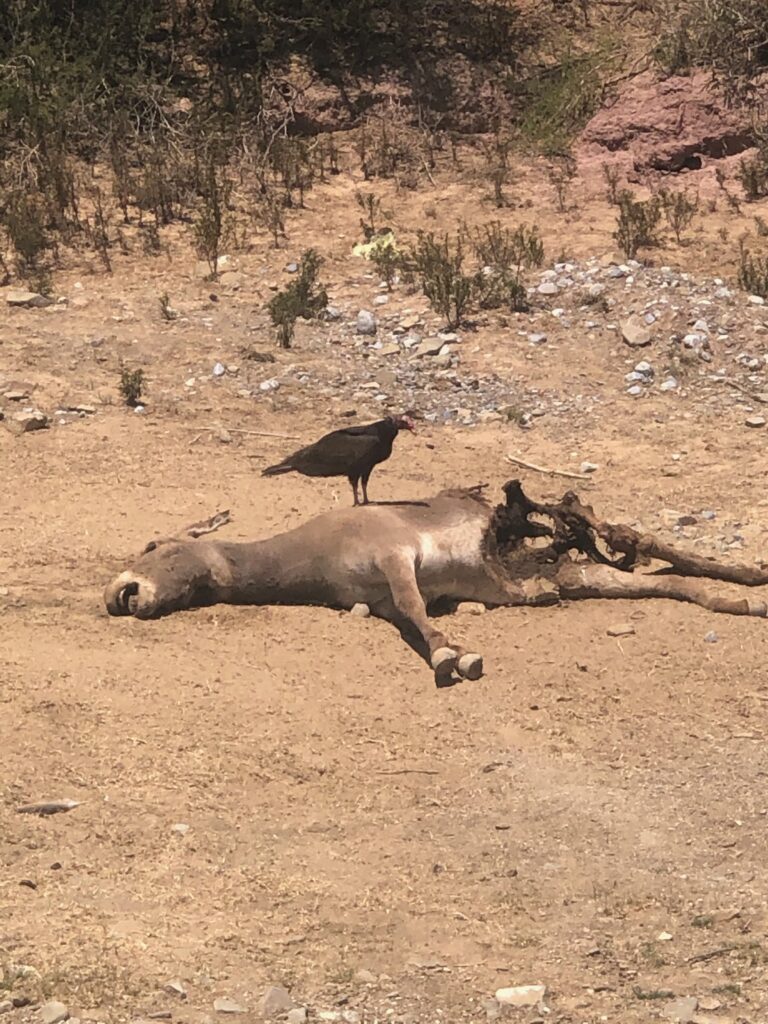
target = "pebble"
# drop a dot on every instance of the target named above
(635, 332)
(537, 339)
(711, 637)
(636, 389)
(175, 987)
(360, 611)
(224, 1005)
(670, 384)
(681, 1010)
(53, 1012)
(644, 368)
(180, 829)
(470, 608)
(621, 629)
(6, 1006)
(521, 995)
(367, 977)
(756, 300)
(589, 467)
(381, 300)
(292, 268)
(755, 421)
(276, 1000)
(219, 369)
(269, 385)
(298, 1015)
(332, 313)
(366, 323)
(548, 288)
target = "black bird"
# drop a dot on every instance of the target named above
(351, 452)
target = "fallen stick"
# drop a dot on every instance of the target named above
(740, 387)
(406, 771)
(251, 433)
(549, 472)
(48, 807)
(701, 958)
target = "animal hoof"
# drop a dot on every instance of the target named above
(757, 607)
(444, 663)
(471, 666)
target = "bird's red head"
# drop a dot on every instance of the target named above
(405, 422)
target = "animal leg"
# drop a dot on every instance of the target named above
(353, 482)
(409, 604)
(578, 581)
(365, 488)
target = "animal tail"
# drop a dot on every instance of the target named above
(281, 467)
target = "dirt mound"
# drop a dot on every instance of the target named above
(678, 124)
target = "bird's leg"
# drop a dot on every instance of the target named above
(365, 488)
(353, 483)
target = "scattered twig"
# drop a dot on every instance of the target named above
(251, 433)
(407, 771)
(701, 958)
(740, 387)
(425, 165)
(49, 807)
(549, 472)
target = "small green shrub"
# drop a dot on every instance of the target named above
(439, 265)
(753, 176)
(370, 204)
(131, 385)
(210, 227)
(503, 254)
(679, 210)
(301, 298)
(612, 175)
(25, 223)
(387, 259)
(637, 224)
(753, 272)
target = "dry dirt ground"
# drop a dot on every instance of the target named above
(590, 816)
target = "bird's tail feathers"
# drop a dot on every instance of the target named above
(281, 467)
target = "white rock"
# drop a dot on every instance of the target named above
(224, 1005)
(635, 390)
(755, 421)
(756, 300)
(621, 629)
(381, 300)
(297, 1016)
(360, 611)
(635, 332)
(276, 1000)
(269, 385)
(471, 608)
(589, 467)
(26, 421)
(670, 384)
(366, 323)
(180, 829)
(521, 995)
(53, 1012)
(219, 369)
(537, 339)
(31, 300)
(548, 288)
(682, 1011)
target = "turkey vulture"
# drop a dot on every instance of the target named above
(351, 452)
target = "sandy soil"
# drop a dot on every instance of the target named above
(590, 815)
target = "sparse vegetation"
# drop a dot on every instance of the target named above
(131, 386)
(679, 210)
(753, 272)
(503, 255)
(440, 266)
(210, 226)
(301, 298)
(612, 176)
(637, 224)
